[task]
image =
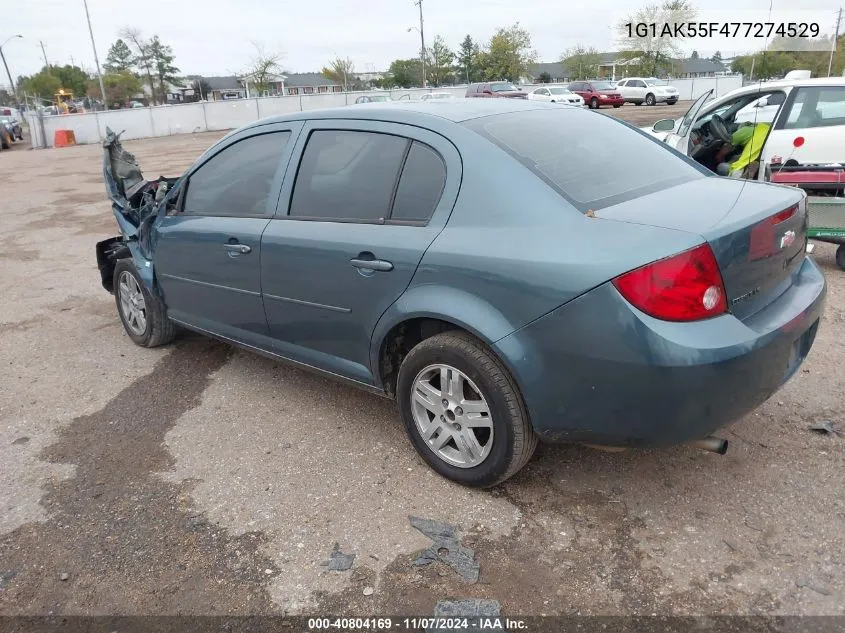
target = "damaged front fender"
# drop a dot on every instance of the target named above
(136, 204)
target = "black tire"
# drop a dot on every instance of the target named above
(638, 103)
(618, 106)
(5, 139)
(513, 437)
(671, 103)
(594, 103)
(159, 329)
(650, 100)
(840, 256)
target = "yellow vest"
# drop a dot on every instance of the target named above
(753, 148)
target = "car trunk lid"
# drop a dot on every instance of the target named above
(757, 232)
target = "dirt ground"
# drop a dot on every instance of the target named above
(198, 479)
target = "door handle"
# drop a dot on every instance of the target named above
(372, 264)
(242, 249)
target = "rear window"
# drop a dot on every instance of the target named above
(591, 159)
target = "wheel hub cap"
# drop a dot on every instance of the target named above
(132, 304)
(452, 416)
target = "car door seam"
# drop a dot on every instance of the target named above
(251, 293)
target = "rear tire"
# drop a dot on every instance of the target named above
(840, 256)
(638, 103)
(143, 315)
(594, 103)
(497, 427)
(5, 139)
(650, 100)
(618, 106)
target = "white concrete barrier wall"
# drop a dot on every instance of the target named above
(226, 115)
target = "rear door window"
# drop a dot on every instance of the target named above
(817, 106)
(347, 175)
(592, 160)
(421, 185)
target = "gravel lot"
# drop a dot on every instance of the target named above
(200, 479)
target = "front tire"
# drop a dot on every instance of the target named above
(5, 139)
(650, 100)
(143, 315)
(594, 103)
(618, 105)
(840, 256)
(463, 411)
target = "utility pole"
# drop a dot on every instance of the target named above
(833, 45)
(96, 59)
(422, 41)
(6, 66)
(43, 52)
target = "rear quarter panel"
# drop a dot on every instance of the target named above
(514, 250)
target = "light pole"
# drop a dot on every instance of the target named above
(6, 66)
(422, 56)
(422, 40)
(96, 59)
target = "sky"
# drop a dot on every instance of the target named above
(219, 37)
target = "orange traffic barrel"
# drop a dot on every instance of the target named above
(65, 138)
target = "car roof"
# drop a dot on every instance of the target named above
(787, 83)
(416, 112)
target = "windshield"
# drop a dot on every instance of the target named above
(503, 87)
(380, 98)
(602, 85)
(558, 91)
(574, 152)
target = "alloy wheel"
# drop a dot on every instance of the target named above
(132, 303)
(452, 416)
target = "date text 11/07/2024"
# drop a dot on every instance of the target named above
(691, 30)
(475, 623)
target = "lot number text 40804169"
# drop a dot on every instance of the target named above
(417, 624)
(691, 30)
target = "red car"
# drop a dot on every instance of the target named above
(495, 89)
(597, 93)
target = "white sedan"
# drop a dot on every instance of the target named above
(431, 96)
(556, 94)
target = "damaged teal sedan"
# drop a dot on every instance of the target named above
(506, 270)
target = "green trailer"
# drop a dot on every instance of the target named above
(827, 223)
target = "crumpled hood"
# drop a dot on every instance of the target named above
(135, 200)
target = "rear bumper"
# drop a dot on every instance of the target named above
(599, 371)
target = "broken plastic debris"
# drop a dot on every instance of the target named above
(823, 428)
(338, 561)
(473, 609)
(446, 548)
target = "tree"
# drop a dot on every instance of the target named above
(166, 73)
(120, 88)
(119, 58)
(639, 42)
(581, 61)
(72, 78)
(143, 59)
(717, 57)
(694, 55)
(263, 69)
(404, 73)
(468, 61)
(509, 54)
(6, 97)
(43, 84)
(201, 89)
(545, 78)
(340, 71)
(439, 58)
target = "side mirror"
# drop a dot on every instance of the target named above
(664, 125)
(762, 103)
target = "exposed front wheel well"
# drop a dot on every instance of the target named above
(400, 340)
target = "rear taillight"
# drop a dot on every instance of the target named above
(764, 236)
(685, 287)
